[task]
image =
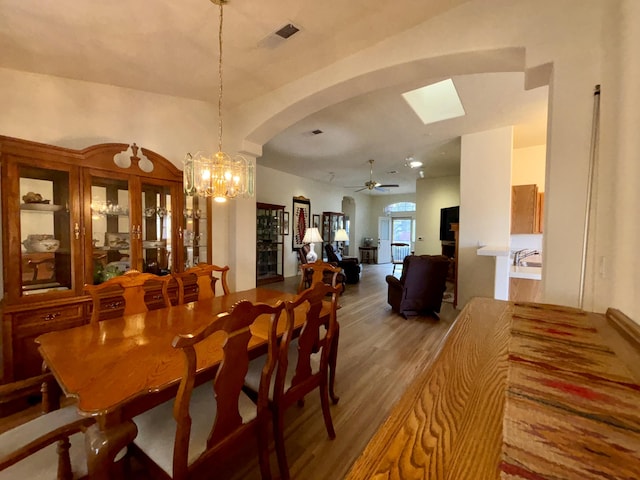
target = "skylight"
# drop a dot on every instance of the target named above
(435, 102)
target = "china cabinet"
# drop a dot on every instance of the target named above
(331, 222)
(269, 243)
(71, 217)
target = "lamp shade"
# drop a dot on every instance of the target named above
(341, 235)
(312, 235)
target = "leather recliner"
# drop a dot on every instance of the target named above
(350, 266)
(421, 286)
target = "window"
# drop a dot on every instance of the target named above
(400, 207)
(402, 230)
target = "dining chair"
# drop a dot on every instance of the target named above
(51, 445)
(399, 250)
(304, 362)
(321, 272)
(189, 435)
(212, 270)
(194, 284)
(130, 293)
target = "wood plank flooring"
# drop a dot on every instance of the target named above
(380, 353)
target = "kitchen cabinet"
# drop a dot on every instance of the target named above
(331, 222)
(72, 217)
(269, 243)
(527, 206)
(525, 290)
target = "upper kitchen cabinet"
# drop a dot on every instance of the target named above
(527, 206)
(76, 217)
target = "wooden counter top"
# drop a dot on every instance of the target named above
(499, 360)
(449, 422)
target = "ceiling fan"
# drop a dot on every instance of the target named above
(371, 185)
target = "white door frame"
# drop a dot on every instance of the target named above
(384, 239)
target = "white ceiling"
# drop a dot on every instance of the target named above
(170, 47)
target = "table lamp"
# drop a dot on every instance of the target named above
(341, 236)
(312, 235)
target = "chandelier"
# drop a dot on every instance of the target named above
(220, 175)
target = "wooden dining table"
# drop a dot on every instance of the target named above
(119, 368)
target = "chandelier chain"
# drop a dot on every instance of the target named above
(220, 175)
(220, 81)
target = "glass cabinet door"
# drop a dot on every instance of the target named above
(156, 229)
(110, 228)
(48, 240)
(270, 241)
(194, 234)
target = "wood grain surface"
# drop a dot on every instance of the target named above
(107, 364)
(448, 425)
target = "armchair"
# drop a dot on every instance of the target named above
(421, 286)
(350, 266)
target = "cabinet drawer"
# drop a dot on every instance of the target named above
(44, 316)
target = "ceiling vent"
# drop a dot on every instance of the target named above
(275, 39)
(317, 131)
(288, 30)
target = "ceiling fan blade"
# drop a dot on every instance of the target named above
(388, 185)
(360, 189)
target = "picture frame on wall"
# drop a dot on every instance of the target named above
(316, 221)
(285, 223)
(301, 218)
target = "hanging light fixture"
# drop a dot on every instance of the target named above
(220, 175)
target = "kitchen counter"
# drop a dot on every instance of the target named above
(531, 273)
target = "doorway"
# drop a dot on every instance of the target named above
(384, 240)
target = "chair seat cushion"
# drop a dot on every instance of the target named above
(44, 463)
(157, 427)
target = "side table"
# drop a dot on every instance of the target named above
(368, 254)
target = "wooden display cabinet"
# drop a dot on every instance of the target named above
(331, 222)
(68, 217)
(269, 243)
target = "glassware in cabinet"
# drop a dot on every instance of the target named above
(45, 230)
(195, 232)
(269, 243)
(110, 227)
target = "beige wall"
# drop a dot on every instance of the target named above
(613, 276)
(556, 42)
(529, 166)
(75, 114)
(432, 194)
(587, 42)
(274, 186)
(485, 206)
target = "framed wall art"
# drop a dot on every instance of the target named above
(285, 223)
(316, 221)
(301, 219)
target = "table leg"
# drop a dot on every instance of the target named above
(333, 359)
(103, 444)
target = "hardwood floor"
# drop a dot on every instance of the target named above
(380, 353)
